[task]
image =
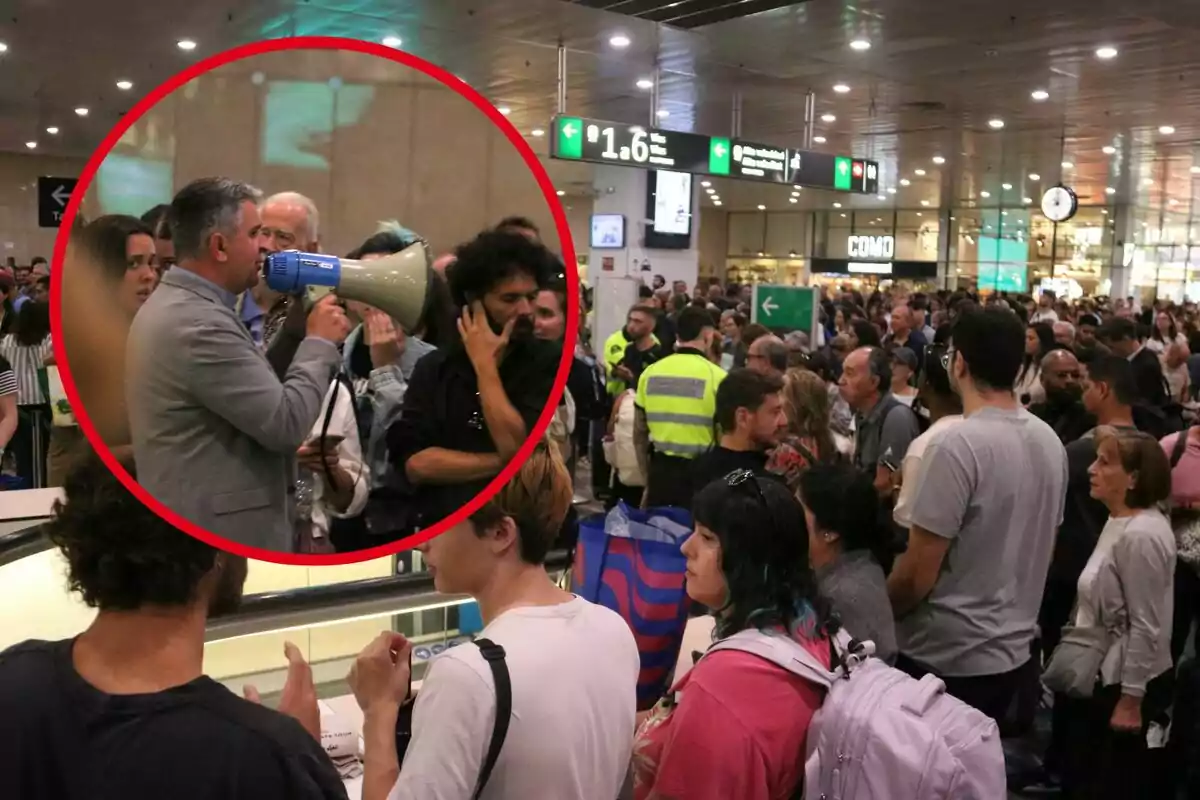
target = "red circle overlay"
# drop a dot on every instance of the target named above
(315, 43)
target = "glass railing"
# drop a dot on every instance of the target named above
(330, 613)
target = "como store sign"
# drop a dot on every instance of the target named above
(872, 248)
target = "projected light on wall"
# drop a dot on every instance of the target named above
(131, 185)
(299, 118)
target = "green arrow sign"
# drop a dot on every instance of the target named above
(570, 137)
(785, 308)
(718, 156)
(841, 173)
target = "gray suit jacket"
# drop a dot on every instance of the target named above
(214, 431)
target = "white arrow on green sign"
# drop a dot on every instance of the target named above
(785, 308)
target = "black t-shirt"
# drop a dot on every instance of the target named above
(442, 408)
(720, 461)
(63, 739)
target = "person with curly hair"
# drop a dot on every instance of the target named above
(124, 709)
(808, 438)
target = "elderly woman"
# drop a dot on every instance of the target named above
(1126, 589)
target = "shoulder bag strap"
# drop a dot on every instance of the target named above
(494, 655)
(1180, 446)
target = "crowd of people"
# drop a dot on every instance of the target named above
(269, 419)
(1006, 511)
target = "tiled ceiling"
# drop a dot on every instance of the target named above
(935, 74)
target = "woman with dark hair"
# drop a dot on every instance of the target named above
(123, 248)
(1039, 340)
(26, 349)
(740, 722)
(864, 334)
(122, 251)
(847, 545)
(1164, 333)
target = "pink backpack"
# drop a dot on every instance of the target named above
(882, 735)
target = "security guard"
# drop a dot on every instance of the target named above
(676, 400)
(628, 350)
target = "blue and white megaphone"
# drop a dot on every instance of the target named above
(397, 284)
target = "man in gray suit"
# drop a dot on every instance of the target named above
(215, 432)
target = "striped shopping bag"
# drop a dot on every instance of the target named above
(629, 561)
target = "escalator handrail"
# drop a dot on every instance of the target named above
(19, 544)
(315, 605)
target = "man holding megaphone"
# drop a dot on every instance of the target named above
(215, 432)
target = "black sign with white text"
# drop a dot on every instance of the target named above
(53, 196)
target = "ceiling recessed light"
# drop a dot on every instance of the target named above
(560, 192)
(3, 47)
(1039, 95)
(841, 88)
(1108, 149)
(82, 111)
(716, 198)
(1147, 181)
(505, 110)
(1172, 202)
(618, 41)
(645, 83)
(1004, 213)
(925, 203)
(905, 182)
(1166, 130)
(797, 188)
(710, 190)
(985, 194)
(663, 113)
(1026, 199)
(1106, 52)
(1068, 165)
(860, 45)
(793, 200)
(919, 214)
(891, 190)
(716, 202)
(1196, 169)
(795, 194)
(124, 85)
(186, 44)
(1033, 176)
(392, 41)
(762, 208)
(837, 205)
(828, 118)
(31, 145)
(706, 184)
(537, 132)
(996, 123)
(1006, 186)
(882, 197)
(918, 172)
(52, 130)
(1110, 190)
(818, 140)
(939, 160)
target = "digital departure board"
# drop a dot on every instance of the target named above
(600, 142)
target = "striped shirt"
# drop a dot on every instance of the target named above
(8, 378)
(26, 361)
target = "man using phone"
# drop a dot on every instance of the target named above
(470, 407)
(214, 431)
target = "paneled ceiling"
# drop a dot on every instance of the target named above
(935, 74)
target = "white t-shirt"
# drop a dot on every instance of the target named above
(912, 465)
(574, 670)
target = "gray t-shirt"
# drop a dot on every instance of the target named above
(995, 485)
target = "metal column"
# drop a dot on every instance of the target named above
(810, 118)
(562, 78)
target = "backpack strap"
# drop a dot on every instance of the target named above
(493, 654)
(1180, 446)
(781, 651)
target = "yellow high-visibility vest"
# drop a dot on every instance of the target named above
(679, 396)
(614, 351)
